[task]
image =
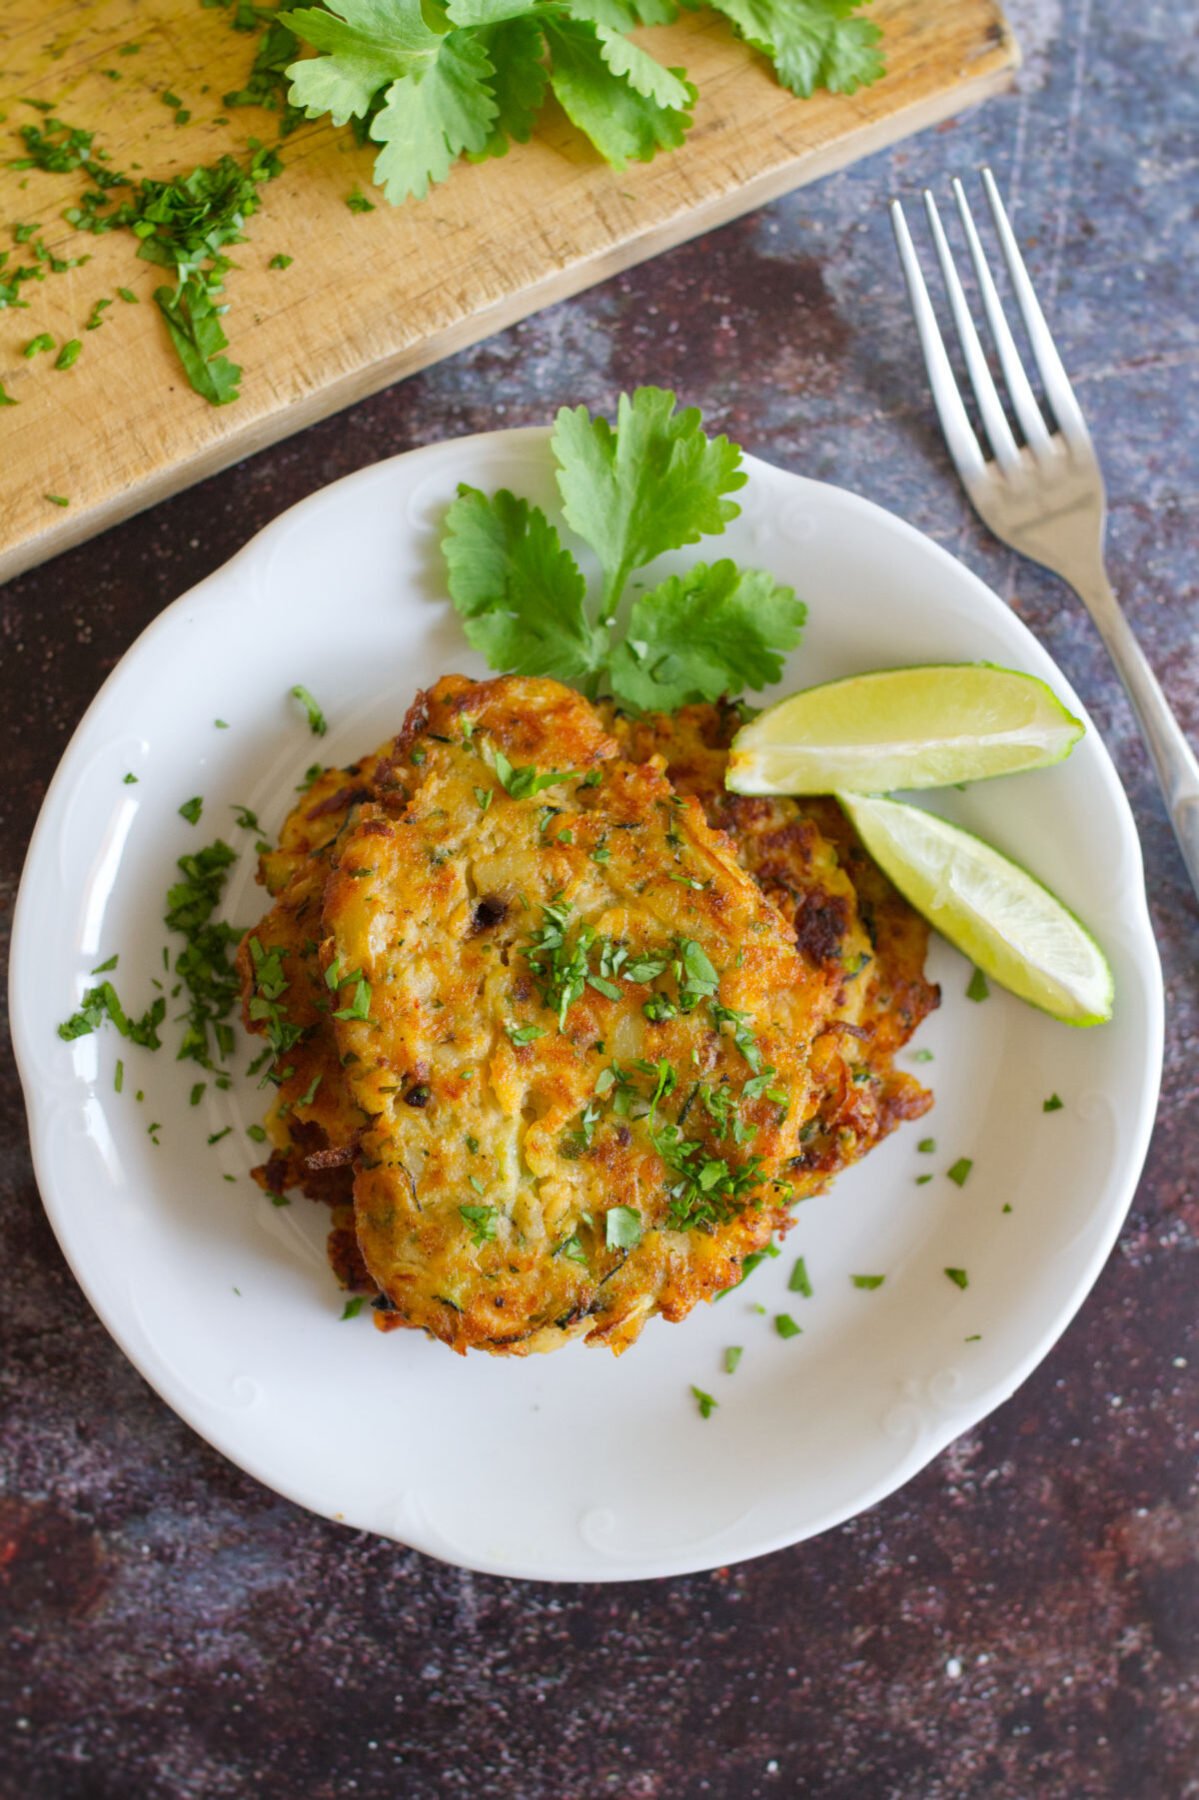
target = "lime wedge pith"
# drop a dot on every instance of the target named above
(991, 909)
(928, 726)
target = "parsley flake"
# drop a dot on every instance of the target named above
(317, 722)
(799, 1282)
(191, 809)
(622, 1228)
(707, 1405)
(868, 1281)
(960, 1170)
(352, 1308)
(732, 1357)
(785, 1325)
(959, 1277)
(1053, 1104)
(977, 988)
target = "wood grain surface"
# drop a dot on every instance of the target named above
(369, 297)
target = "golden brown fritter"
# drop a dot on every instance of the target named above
(578, 1031)
(849, 922)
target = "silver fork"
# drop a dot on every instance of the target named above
(1045, 498)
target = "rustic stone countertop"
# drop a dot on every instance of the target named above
(1022, 1620)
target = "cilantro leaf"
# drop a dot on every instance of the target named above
(650, 484)
(714, 630)
(624, 125)
(514, 48)
(520, 594)
(812, 43)
(368, 44)
(432, 115)
(653, 483)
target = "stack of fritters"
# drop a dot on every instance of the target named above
(557, 1060)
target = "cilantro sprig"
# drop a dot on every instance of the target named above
(430, 81)
(652, 483)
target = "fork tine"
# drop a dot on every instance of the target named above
(1023, 399)
(1003, 444)
(959, 433)
(1056, 382)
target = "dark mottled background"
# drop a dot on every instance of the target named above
(1023, 1619)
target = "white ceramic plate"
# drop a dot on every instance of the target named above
(574, 1466)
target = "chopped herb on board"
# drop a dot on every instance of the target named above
(68, 356)
(279, 261)
(358, 202)
(57, 499)
(6, 398)
(43, 341)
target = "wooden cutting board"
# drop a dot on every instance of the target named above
(369, 297)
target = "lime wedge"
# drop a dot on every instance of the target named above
(991, 909)
(928, 726)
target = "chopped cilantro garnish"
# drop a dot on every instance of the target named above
(1053, 1104)
(216, 1136)
(748, 1265)
(96, 316)
(69, 354)
(191, 809)
(118, 1076)
(799, 1282)
(785, 1325)
(622, 1228)
(922, 1056)
(360, 1005)
(43, 341)
(926, 1146)
(100, 1003)
(923, 1180)
(868, 1281)
(104, 967)
(128, 296)
(732, 1357)
(482, 1221)
(279, 261)
(523, 783)
(317, 722)
(57, 499)
(352, 1308)
(129, 780)
(960, 1170)
(275, 1199)
(257, 1133)
(707, 1405)
(977, 988)
(959, 1277)
(974, 1338)
(197, 1093)
(6, 398)
(358, 202)
(525, 1034)
(573, 1250)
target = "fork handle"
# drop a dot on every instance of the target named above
(1173, 758)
